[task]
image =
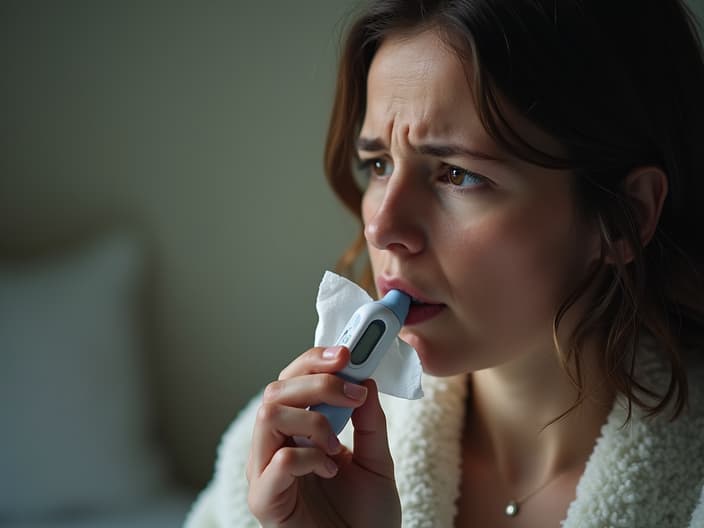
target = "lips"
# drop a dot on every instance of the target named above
(419, 313)
(422, 307)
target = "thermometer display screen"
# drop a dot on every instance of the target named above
(367, 342)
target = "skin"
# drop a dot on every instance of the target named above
(298, 486)
(500, 247)
(499, 244)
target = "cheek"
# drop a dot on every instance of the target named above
(515, 268)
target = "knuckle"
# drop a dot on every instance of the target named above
(313, 356)
(319, 423)
(284, 374)
(310, 356)
(327, 383)
(267, 412)
(284, 458)
(271, 391)
(315, 352)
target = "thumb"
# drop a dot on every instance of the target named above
(371, 444)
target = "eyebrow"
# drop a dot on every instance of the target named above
(437, 150)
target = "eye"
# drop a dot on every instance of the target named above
(376, 167)
(460, 177)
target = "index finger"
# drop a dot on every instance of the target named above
(317, 360)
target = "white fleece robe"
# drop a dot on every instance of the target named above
(649, 474)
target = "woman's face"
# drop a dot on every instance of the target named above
(491, 244)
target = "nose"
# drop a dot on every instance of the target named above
(395, 216)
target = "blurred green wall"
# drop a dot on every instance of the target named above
(201, 124)
(698, 8)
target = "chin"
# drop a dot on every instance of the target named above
(441, 370)
(432, 359)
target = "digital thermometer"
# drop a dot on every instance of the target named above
(368, 335)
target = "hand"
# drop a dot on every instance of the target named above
(324, 485)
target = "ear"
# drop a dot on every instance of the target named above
(645, 188)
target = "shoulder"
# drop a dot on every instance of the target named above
(671, 451)
(695, 375)
(648, 471)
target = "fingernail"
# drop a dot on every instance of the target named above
(354, 391)
(331, 466)
(331, 353)
(333, 445)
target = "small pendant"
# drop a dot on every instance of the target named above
(512, 509)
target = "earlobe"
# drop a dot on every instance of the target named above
(645, 189)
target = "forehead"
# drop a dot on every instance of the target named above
(418, 84)
(418, 80)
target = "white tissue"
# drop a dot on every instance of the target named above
(399, 373)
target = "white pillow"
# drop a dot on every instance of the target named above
(73, 407)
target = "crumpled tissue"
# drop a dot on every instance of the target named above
(399, 373)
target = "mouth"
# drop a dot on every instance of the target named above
(422, 308)
(420, 312)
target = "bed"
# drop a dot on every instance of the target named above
(78, 446)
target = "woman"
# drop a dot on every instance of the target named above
(531, 174)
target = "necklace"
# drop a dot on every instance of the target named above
(514, 505)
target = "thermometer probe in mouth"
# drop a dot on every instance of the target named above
(368, 335)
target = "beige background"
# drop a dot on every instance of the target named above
(200, 126)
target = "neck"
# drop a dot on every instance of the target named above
(512, 411)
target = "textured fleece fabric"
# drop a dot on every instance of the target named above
(648, 474)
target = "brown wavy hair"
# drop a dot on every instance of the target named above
(619, 85)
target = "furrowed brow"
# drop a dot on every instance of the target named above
(449, 151)
(370, 144)
(437, 150)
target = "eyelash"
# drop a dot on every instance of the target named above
(368, 167)
(464, 174)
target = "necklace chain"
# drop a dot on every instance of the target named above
(514, 505)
